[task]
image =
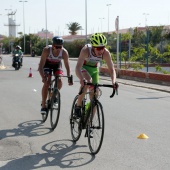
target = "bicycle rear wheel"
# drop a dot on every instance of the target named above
(55, 109)
(96, 128)
(75, 126)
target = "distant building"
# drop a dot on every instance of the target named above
(70, 38)
(43, 33)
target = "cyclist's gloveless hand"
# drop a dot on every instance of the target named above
(82, 82)
(44, 78)
(70, 83)
(115, 85)
(70, 80)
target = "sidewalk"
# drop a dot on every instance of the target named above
(136, 83)
(139, 84)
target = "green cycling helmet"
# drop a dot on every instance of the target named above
(98, 40)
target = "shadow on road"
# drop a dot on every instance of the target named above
(60, 153)
(30, 128)
(148, 98)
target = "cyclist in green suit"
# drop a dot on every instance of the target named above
(87, 64)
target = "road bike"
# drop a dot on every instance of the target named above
(92, 117)
(53, 102)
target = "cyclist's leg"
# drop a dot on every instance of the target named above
(95, 80)
(59, 71)
(46, 84)
(44, 93)
(86, 75)
(88, 78)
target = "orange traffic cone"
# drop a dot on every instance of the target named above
(30, 74)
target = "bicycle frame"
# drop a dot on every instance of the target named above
(53, 101)
(86, 114)
(92, 120)
(93, 101)
(55, 81)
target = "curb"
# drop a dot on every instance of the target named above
(142, 86)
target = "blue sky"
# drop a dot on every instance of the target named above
(60, 13)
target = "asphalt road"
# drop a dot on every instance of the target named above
(26, 143)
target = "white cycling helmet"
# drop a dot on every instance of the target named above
(18, 47)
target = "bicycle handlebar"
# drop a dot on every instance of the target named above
(70, 78)
(115, 87)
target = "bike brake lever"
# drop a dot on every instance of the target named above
(70, 79)
(117, 86)
(113, 93)
(115, 90)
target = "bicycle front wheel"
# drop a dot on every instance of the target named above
(96, 128)
(75, 126)
(55, 109)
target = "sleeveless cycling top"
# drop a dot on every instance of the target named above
(54, 61)
(92, 60)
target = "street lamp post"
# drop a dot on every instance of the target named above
(101, 23)
(147, 40)
(145, 18)
(108, 16)
(46, 22)
(117, 31)
(0, 48)
(86, 18)
(23, 23)
(131, 32)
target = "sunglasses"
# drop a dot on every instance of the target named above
(99, 48)
(57, 47)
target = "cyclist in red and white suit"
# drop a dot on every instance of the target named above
(51, 60)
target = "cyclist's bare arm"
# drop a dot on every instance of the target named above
(66, 61)
(83, 54)
(110, 65)
(44, 55)
(67, 65)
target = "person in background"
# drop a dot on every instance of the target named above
(18, 51)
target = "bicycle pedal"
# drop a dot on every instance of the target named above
(86, 134)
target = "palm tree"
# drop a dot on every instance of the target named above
(73, 27)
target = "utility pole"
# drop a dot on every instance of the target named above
(117, 31)
(23, 23)
(108, 16)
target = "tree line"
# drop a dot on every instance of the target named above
(151, 45)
